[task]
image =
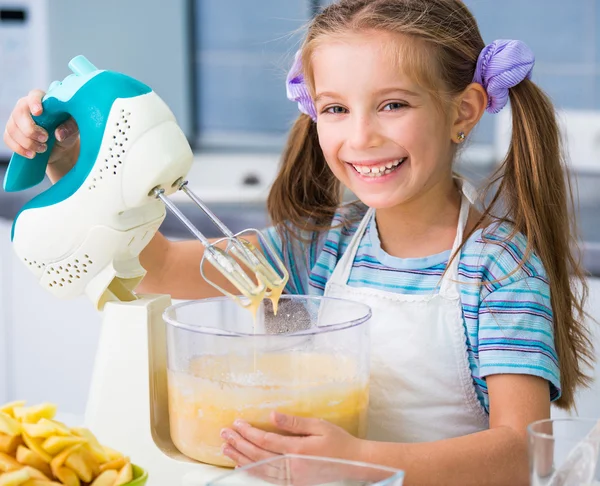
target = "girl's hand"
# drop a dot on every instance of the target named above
(26, 138)
(246, 444)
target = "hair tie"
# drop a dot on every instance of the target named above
(500, 66)
(296, 88)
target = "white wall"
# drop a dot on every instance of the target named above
(588, 400)
(4, 310)
(49, 343)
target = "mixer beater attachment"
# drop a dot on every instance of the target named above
(222, 255)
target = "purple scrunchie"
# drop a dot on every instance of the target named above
(297, 90)
(500, 66)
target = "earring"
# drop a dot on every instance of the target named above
(461, 136)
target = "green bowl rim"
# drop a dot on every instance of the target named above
(140, 476)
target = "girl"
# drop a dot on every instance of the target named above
(477, 325)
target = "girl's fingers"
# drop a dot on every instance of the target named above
(67, 132)
(34, 101)
(245, 447)
(23, 121)
(15, 147)
(236, 456)
(26, 144)
(298, 425)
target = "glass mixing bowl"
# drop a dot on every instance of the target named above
(311, 359)
(296, 470)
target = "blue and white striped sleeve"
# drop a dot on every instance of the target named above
(516, 332)
(298, 257)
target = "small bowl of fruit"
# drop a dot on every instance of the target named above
(37, 450)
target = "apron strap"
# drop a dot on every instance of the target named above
(448, 287)
(341, 272)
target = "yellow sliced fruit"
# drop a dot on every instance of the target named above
(9, 425)
(15, 478)
(56, 443)
(125, 475)
(116, 464)
(60, 427)
(88, 457)
(67, 477)
(36, 446)
(29, 458)
(38, 430)
(77, 463)
(33, 414)
(107, 478)
(111, 453)
(93, 444)
(59, 460)
(46, 428)
(36, 473)
(40, 482)
(8, 463)
(9, 444)
(9, 407)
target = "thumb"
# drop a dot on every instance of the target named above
(297, 425)
(67, 133)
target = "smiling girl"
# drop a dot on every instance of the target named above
(476, 323)
(477, 318)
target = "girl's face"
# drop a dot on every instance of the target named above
(382, 136)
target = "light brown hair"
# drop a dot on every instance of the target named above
(531, 189)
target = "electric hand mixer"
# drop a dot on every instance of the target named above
(132, 153)
(85, 234)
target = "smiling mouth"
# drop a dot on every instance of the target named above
(378, 170)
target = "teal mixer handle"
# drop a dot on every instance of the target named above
(57, 107)
(23, 172)
(86, 95)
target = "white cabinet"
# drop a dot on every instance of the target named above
(4, 308)
(50, 344)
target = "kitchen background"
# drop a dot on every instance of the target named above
(221, 66)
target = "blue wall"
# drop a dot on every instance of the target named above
(244, 49)
(562, 34)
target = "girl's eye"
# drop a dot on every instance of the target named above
(393, 106)
(336, 110)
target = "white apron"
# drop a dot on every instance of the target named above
(421, 387)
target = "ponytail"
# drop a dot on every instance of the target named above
(305, 194)
(535, 195)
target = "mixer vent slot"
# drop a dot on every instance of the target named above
(69, 272)
(34, 263)
(114, 159)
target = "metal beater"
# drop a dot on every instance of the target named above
(270, 278)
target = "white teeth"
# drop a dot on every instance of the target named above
(379, 171)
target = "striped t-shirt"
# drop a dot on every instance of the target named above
(506, 309)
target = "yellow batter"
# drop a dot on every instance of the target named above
(219, 389)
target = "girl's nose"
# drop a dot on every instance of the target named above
(363, 133)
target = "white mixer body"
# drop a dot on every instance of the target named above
(96, 235)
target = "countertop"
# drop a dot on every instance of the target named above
(236, 187)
